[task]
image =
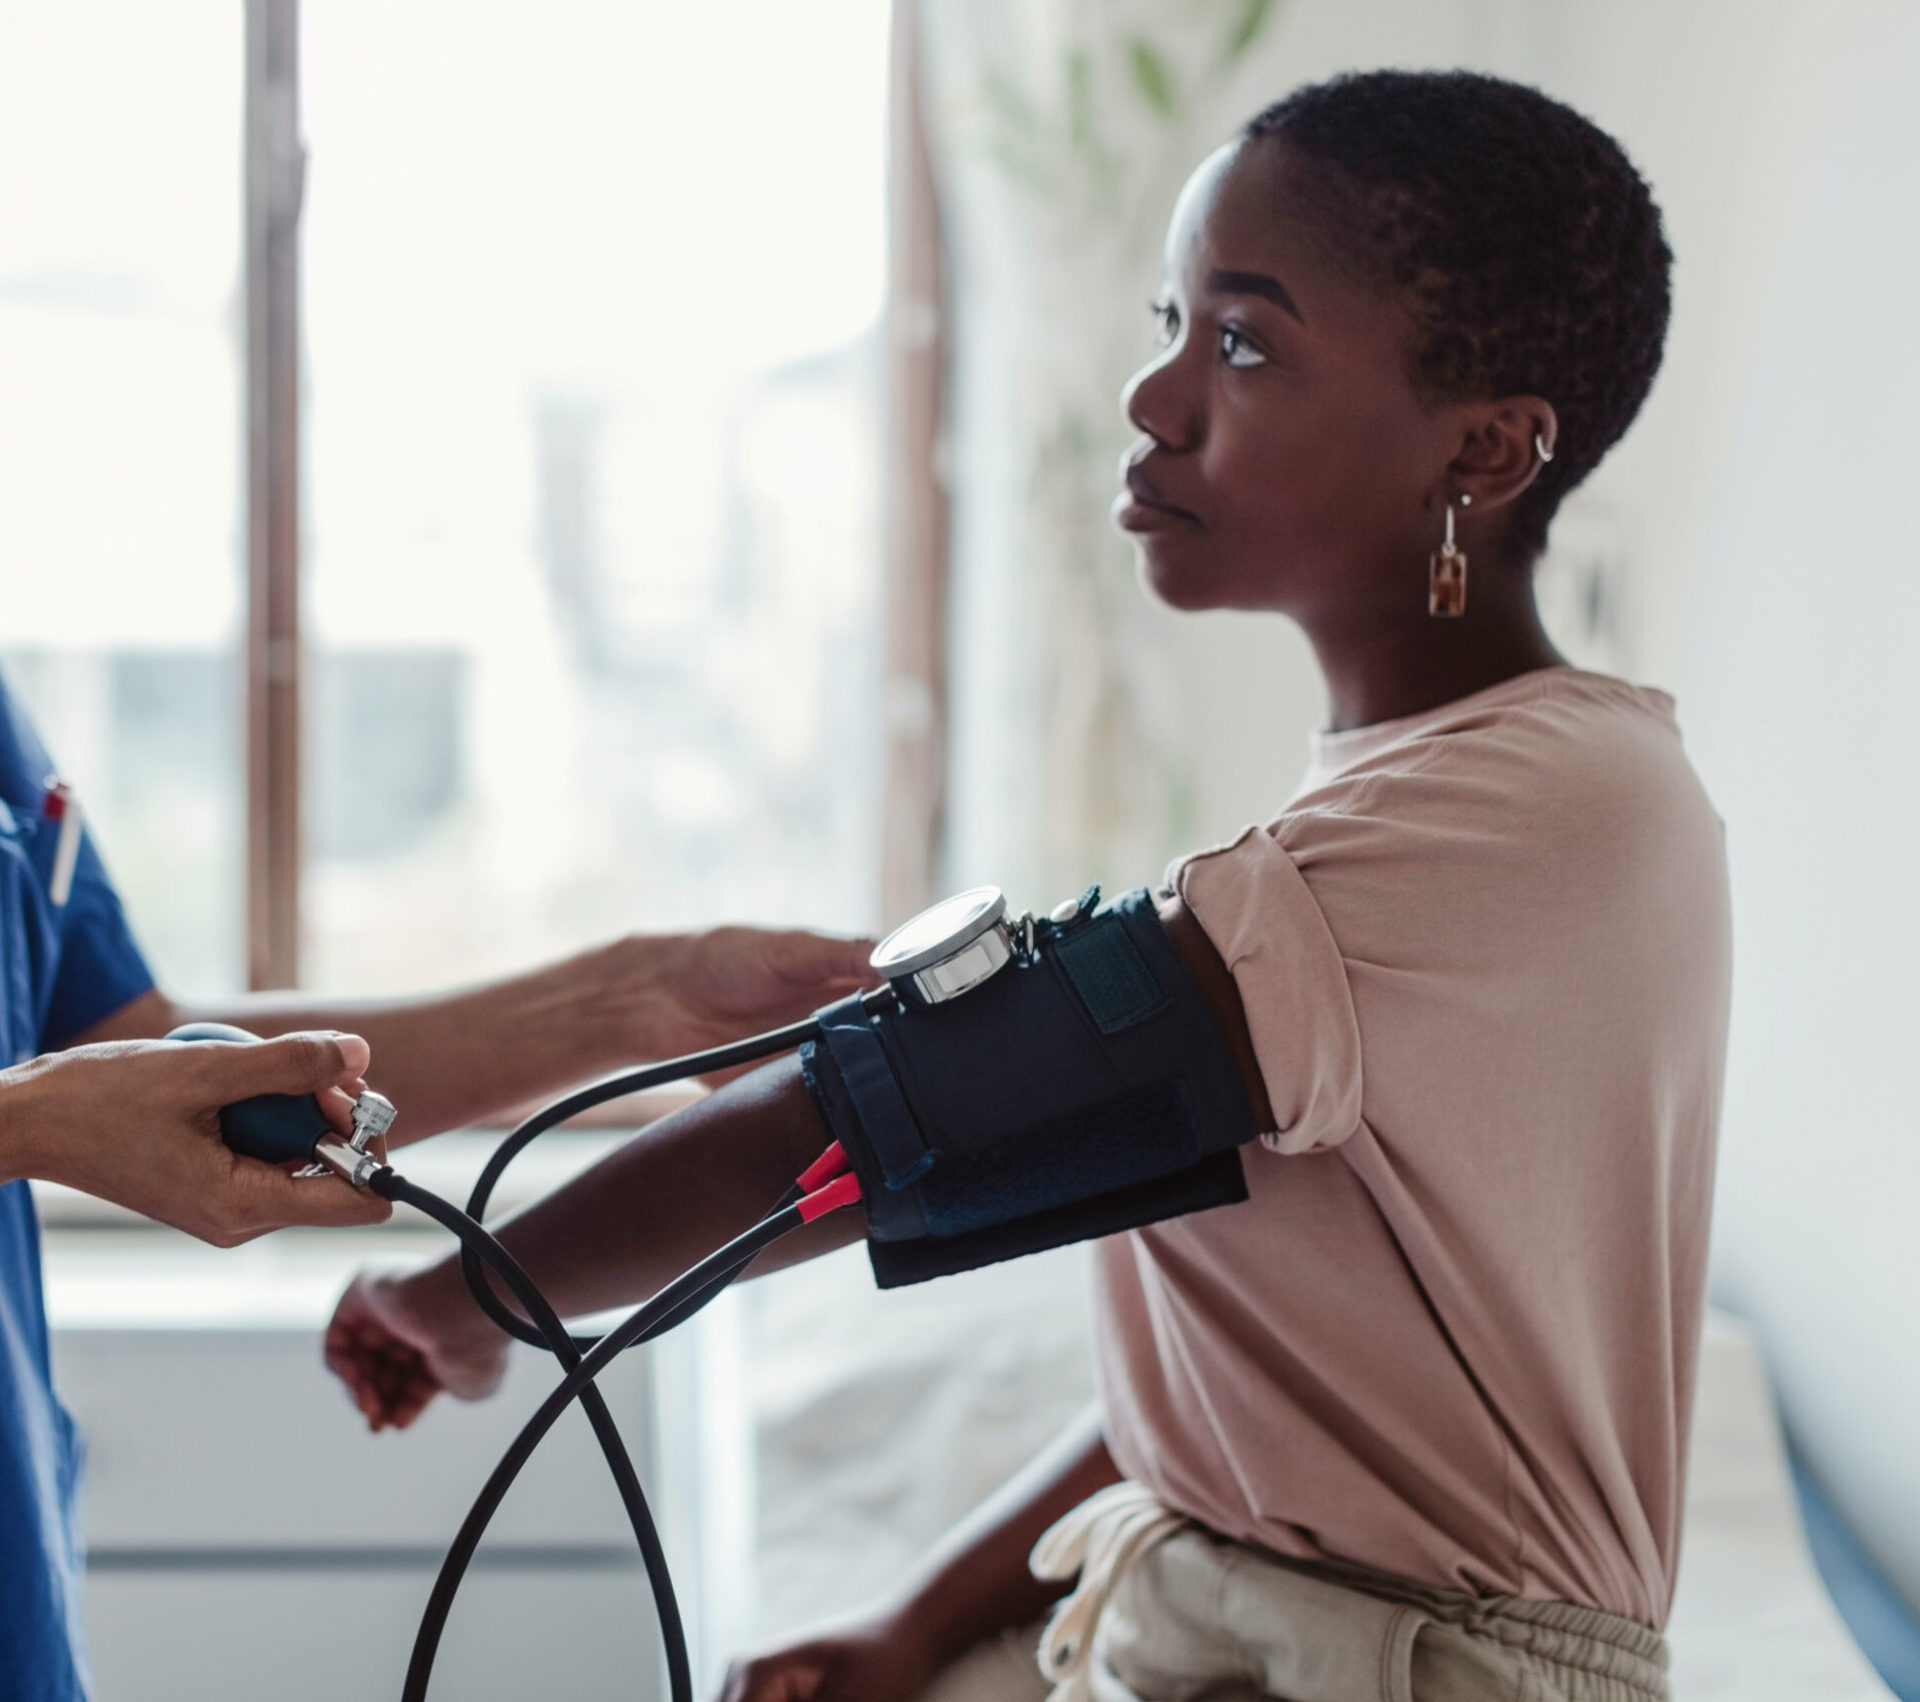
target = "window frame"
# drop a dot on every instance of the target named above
(914, 559)
(274, 164)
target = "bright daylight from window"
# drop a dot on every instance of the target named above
(592, 301)
(591, 390)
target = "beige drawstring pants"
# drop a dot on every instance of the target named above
(1165, 1611)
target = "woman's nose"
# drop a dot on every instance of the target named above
(1159, 402)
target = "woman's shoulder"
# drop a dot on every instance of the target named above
(1552, 744)
(1548, 705)
(1542, 775)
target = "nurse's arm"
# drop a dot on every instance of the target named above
(486, 1052)
(136, 1123)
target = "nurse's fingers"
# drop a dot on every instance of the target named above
(135, 1122)
(291, 1063)
(806, 957)
(336, 1105)
(257, 1198)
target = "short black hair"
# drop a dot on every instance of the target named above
(1529, 249)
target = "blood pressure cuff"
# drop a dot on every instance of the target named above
(1084, 1089)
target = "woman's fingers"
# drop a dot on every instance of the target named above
(880, 1659)
(389, 1378)
(791, 1676)
(353, 1356)
(409, 1401)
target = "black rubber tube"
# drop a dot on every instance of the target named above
(476, 1243)
(750, 1051)
(680, 1298)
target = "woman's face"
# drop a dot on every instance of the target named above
(1286, 461)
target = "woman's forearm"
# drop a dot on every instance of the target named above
(681, 1188)
(622, 1229)
(975, 1581)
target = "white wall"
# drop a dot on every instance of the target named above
(1773, 558)
(1799, 667)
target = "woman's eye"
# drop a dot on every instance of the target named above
(1166, 319)
(1237, 351)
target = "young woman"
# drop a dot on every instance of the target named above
(1410, 1422)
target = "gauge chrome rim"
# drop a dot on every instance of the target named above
(949, 948)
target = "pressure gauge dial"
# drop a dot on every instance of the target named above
(949, 949)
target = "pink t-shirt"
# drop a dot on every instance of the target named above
(1484, 955)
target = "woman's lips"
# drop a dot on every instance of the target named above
(1144, 509)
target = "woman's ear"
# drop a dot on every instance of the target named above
(1506, 444)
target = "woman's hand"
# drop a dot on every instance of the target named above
(878, 1659)
(395, 1351)
(137, 1122)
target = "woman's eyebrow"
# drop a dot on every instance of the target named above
(1255, 283)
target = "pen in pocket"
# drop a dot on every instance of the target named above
(63, 806)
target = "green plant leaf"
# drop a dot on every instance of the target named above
(1020, 166)
(1008, 102)
(1152, 76)
(1079, 98)
(1254, 17)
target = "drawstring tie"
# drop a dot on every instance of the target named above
(1100, 1539)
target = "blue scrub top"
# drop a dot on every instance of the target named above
(62, 969)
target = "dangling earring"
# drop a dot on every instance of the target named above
(1447, 572)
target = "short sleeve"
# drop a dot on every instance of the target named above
(1255, 907)
(101, 967)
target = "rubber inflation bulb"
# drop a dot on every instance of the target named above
(282, 1128)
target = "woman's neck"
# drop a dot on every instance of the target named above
(1384, 672)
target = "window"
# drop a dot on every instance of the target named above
(588, 452)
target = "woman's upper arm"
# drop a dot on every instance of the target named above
(1215, 980)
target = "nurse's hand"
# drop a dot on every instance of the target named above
(137, 1122)
(716, 986)
(394, 1354)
